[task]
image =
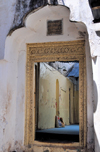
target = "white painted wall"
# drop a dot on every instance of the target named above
(15, 61)
(7, 10)
(47, 97)
(12, 68)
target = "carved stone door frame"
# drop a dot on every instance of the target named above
(54, 51)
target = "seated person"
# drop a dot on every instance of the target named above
(59, 122)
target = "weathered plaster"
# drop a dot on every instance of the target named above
(7, 10)
(47, 97)
(78, 13)
(24, 7)
(15, 56)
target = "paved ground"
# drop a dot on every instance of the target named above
(71, 129)
(67, 134)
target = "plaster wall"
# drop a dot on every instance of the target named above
(96, 99)
(12, 13)
(47, 97)
(8, 87)
(13, 70)
(7, 10)
(65, 105)
(90, 104)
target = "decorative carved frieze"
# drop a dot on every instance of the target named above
(65, 48)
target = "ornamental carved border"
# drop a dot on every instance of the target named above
(54, 51)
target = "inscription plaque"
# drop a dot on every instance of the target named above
(54, 27)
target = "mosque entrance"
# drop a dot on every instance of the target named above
(73, 51)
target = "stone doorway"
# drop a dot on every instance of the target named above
(47, 52)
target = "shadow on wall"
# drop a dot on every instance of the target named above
(53, 2)
(24, 7)
(56, 2)
(95, 96)
(95, 91)
(97, 146)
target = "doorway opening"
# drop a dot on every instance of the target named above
(49, 52)
(57, 101)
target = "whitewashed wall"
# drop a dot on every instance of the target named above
(47, 97)
(13, 66)
(7, 10)
(11, 16)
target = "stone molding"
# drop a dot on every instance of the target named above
(54, 51)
